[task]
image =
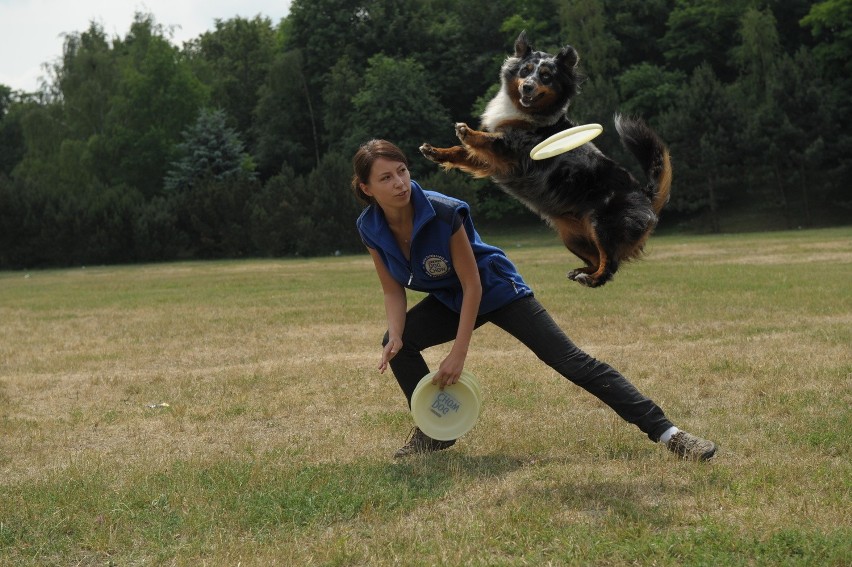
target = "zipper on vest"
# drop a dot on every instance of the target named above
(503, 276)
(410, 277)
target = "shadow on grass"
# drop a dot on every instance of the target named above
(192, 498)
(457, 466)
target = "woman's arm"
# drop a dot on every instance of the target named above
(395, 309)
(468, 273)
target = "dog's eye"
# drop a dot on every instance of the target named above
(545, 77)
(524, 72)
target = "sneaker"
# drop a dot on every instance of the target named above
(419, 442)
(691, 448)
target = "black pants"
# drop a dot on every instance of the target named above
(431, 323)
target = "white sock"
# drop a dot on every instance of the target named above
(664, 438)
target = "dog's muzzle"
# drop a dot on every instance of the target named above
(529, 93)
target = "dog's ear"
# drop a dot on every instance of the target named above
(568, 57)
(522, 46)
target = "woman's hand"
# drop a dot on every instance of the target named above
(390, 350)
(449, 370)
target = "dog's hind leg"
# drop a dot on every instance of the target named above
(574, 235)
(597, 274)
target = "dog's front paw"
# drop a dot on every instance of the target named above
(429, 152)
(462, 130)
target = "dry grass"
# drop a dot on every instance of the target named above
(274, 448)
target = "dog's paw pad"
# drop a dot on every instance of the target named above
(462, 130)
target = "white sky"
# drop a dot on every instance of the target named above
(31, 30)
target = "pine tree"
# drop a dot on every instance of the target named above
(211, 149)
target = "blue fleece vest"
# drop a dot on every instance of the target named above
(431, 267)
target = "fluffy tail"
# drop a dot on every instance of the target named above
(652, 154)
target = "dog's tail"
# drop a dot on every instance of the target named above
(652, 153)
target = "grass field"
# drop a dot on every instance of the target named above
(274, 448)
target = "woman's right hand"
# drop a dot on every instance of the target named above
(390, 350)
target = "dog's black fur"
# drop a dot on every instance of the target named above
(601, 212)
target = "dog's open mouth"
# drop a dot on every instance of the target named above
(529, 100)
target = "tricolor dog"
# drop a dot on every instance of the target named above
(601, 212)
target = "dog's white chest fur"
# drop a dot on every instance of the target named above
(501, 109)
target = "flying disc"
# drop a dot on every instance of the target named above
(566, 140)
(449, 413)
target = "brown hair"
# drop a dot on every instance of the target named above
(362, 164)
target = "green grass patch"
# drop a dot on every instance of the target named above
(275, 446)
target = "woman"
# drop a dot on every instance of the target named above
(426, 241)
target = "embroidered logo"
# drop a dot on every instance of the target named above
(436, 266)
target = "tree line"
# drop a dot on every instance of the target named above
(238, 142)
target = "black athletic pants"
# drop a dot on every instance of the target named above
(431, 323)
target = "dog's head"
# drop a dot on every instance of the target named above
(538, 82)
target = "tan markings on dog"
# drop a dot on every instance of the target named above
(491, 163)
(548, 99)
(664, 183)
(603, 259)
(477, 138)
(515, 92)
(574, 235)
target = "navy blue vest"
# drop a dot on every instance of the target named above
(431, 267)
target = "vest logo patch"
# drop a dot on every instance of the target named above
(436, 266)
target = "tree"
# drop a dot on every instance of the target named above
(638, 26)
(397, 102)
(236, 58)
(328, 225)
(210, 185)
(210, 150)
(703, 31)
(700, 129)
(585, 23)
(323, 31)
(831, 22)
(156, 97)
(757, 54)
(43, 131)
(286, 129)
(648, 90)
(274, 213)
(86, 78)
(11, 131)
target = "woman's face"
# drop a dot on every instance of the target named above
(389, 183)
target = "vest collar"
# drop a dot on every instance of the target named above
(378, 228)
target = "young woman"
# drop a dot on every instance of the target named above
(426, 241)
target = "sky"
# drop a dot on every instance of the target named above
(31, 31)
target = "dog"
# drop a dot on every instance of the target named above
(601, 212)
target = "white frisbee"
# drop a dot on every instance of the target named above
(449, 413)
(565, 140)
